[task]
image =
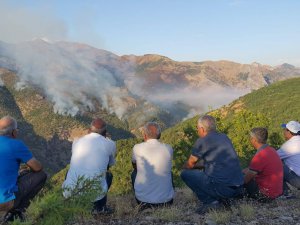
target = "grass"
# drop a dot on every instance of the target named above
(219, 217)
(247, 211)
(171, 214)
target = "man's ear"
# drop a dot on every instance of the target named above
(14, 134)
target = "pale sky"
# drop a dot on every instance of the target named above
(264, 31)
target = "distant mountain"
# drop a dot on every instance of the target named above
(74, 76)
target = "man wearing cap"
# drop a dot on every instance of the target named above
(92, 155)
(289, 153)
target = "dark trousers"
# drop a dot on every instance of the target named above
(206, 189)
(290, 177)
(99, 204)
(29, 185)
(145, 205)
(252, 191)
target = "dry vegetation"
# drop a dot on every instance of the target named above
(183, 212)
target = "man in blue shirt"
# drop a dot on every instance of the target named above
(16, 190)
(222, 176)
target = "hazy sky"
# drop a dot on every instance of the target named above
(265, 31)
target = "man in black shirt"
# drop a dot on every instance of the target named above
(222, 175)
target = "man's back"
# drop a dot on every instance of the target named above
(269, 170)
(12, 153)
(289, 152)
(91, 155)
(220, 159)
(153, 183)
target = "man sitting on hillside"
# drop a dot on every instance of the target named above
(264, 177)
(289, 152)
(152, 175)
(222, 176)
(16, 190)
(92, 155)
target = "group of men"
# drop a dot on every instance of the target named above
(212, 171)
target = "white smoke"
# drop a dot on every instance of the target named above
(71, 75)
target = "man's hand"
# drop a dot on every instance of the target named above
(190, 163)
(249, 175)
(34, 165)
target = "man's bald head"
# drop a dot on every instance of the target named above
(98, 126)
(7, 125)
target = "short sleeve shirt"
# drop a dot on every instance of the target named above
(12, 153)
(153, 183)
(91, 155)
(268, 166)
(220, 159)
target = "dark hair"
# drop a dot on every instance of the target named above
(99, 126)
(260, 134)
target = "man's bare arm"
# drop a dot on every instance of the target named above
(34, 165)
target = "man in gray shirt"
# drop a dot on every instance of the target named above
(152, 175)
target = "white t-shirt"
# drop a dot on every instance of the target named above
(153, 183)
(289, 152)
(91, 155)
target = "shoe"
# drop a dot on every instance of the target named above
(13, 215)
(102, 211)
(286, 196)
(215, 205)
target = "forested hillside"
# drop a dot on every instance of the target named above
(49, 135)
(269, 107)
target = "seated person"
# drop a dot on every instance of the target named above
(152, 175)
(92, 155)
(222, 177)
(16, 190)
(289, 153)
(264, 177)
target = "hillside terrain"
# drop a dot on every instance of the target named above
(77, 78)
(235, 119)
(48, 135)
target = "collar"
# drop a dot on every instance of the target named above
(262, 147)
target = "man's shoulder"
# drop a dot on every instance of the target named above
(291, 143)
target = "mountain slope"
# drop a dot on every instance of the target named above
(268, 107)
(77, 78)
(48, 135)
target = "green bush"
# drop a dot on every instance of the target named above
(50, 207)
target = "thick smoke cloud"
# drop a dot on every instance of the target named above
(71, 75)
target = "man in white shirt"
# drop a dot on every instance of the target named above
(289, 153)
(92, 155)
(152, 175)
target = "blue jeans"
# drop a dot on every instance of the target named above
(206, 189)
(290, 177)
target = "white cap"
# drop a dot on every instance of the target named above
(292, 126)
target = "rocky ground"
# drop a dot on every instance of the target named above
(280, 211)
